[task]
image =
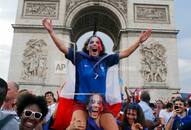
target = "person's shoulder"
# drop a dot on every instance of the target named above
(13, 123)
(112, 58)
(2, 114)
(82, 53)
(187, 117)
(142, 103)
(163, 111)
(187, 125)
(14, 119)
(13, 115)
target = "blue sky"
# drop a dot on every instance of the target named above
(182, 9)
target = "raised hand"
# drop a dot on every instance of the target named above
(144, 36)
(59, 91)
(47, 23)
(136, 126)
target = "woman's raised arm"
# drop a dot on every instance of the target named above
(143, 37)
(47, 23)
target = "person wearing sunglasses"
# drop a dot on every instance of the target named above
(31, 109)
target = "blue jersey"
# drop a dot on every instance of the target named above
(91, 125)
(91, 73)
(180, 122)
(189, 111)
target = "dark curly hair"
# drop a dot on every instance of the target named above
(30, 99)
(84, 49)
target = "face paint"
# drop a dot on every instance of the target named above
(95, 106)
(100, 45)
(95, 40)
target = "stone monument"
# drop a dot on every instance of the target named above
(37, 64)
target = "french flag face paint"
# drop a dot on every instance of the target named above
(99, 44)
(95, 40)
(95, 106)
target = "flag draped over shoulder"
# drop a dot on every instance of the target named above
(113, 89)
(66, 102)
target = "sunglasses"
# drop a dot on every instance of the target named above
(29, 113)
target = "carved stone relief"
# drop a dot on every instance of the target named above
(35, 61)
(153, 63)
(73, 3)
(40, 9)
(119, 4)
(151, 13)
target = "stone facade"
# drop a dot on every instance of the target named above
(151, 13)
(153, 63)
(38, 65)
(34, 61)
(39, 9)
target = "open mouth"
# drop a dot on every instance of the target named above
(95, 111)
(94, 114)
(94, 50)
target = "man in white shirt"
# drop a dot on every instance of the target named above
(49, 96)
(166, 113)
(151, 123)
(144, 103)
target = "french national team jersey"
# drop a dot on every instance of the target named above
(91, 73)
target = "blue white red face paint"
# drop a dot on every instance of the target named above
(95, 44)
(95, 106)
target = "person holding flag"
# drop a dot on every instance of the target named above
(91, 66)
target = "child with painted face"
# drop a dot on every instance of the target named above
(95, 108)
(91, 65)
(133, 118)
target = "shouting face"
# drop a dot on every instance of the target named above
(95, 106)
(94, 46)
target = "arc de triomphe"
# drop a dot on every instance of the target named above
(36, 63)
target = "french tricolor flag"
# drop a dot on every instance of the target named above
(65, 103)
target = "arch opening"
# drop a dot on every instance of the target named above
(107, 41)
(106, 22)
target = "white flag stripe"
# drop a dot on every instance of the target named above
(113, 93)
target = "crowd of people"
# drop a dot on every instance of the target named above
(23, 110)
